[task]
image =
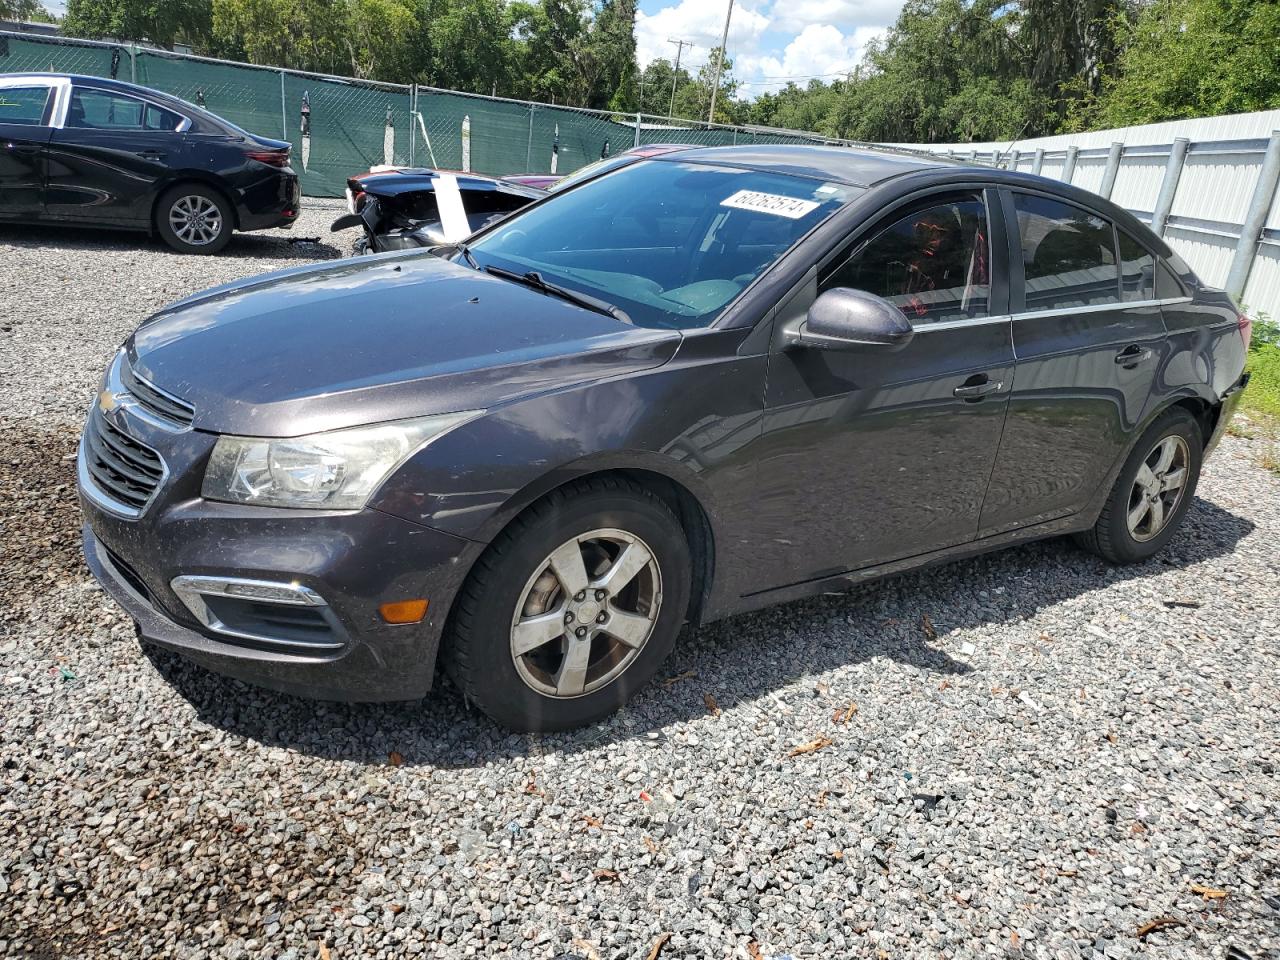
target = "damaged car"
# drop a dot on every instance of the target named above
(407, 208)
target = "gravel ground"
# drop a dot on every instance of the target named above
(1031, 754)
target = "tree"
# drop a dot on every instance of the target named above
(30, 11)
(162, 22)
(1192, 58)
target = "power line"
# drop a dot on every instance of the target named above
(680, 45)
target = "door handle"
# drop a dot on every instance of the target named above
(977, 387)
(1133, 355)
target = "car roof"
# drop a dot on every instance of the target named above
(856, 166)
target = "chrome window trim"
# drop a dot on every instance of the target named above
(191, 590)
(1100, 308)
(959, 324)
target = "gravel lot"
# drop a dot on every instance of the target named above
(1032, 754)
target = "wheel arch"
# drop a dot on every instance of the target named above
(178, 178)
(684, 495)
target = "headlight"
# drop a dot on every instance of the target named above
(338, 470)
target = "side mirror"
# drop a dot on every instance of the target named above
(844, 319)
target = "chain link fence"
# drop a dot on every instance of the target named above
(340, 126)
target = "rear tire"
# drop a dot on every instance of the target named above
(1153, 492)
(540, 647)
(194, 218)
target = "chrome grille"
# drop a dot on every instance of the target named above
(154, 400)
(122, 468)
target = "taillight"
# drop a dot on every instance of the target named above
(272, 158)
(1246, 329)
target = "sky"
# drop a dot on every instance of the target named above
(770, 41)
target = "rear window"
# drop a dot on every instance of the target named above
(1137, 269)
(23, 105)
(1068, 255)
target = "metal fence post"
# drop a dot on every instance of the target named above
(1113, 168)
(1169, 186)
(284, 111)
(413, 119)
(1038, 162)
(1069, 165)
(637, 141)
(1014, 157)
(528, 150)
(1264, 191)
(133, 64)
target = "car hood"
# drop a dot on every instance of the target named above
(379, 338)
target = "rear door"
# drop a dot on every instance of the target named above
(26, 112)
(1089, 337)
(112, 152)
(871, 456)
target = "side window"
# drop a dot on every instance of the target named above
(1068, 255)
(1168, 286)
(99, 110)
(160, 119)
(24, 105)
(1137, 269)
(933, 264)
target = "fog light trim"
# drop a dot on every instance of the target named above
(192, 590)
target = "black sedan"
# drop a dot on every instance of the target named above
(697, 385)
(101, 153)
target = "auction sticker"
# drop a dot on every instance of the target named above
(776, 204)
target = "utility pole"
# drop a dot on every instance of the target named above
(680, 45)
(715, 84)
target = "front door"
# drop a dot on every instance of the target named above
(1089, 337)
(25, 125)
(871, 456)
(105, 162)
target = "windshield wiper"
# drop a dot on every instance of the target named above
(536, 281)
(463, 249)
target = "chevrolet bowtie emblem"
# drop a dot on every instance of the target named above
(108, 401)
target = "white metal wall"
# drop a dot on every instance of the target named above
(1215, 188)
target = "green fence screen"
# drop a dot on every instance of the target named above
(339, 126)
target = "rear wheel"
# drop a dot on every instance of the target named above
(573, 608)
(1153, 492)
(194, 218)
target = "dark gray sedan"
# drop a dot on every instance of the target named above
(697, 385)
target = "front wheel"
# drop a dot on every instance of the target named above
(573, 608)
(193, 218)
(1153, 492)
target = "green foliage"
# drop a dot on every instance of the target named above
(1262, 396)
(1193, 58)
(30, 11)
(161, 21)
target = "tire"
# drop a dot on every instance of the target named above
(1114, 537)
(518, 668)
(202, 208)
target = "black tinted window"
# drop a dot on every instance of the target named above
(933, 264)
(1137, 269)
(99, 110)
(24, 105)
(1168, 286)
(158, 119)
(1068, 255)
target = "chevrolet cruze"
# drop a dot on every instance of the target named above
(696, 385)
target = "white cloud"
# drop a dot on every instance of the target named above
(702, 23)
(818, 50)
(792, 16)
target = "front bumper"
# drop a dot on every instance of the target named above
(355, 561)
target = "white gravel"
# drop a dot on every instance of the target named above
(1060, 754)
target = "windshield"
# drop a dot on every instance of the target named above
(593, 169)
(669, 242)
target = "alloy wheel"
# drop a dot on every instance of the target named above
(195, 220)
(586, 613)
(1157, 489)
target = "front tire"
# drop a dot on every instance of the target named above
(1153, 492)
(573, 608)
(194, 218)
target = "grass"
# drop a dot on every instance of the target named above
(1261, 401)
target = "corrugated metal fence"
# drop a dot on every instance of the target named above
(351, 124)
(1208, 186)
